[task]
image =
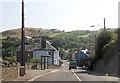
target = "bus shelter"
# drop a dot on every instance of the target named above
(44, 62)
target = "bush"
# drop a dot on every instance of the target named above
(103, 38)
(11, 59)
(35, 60)
(102, 43)
(109, 51)
(6, 63)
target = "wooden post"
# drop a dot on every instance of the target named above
(104, 24)
(22, 68)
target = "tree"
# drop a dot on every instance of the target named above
(57, 42)
(9, 50)
(104, 37)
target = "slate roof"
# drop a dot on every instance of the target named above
(48, 47)
(38, 47)
(27, 47)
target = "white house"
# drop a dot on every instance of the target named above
(50, 51)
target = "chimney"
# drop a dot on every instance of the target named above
(43, 42)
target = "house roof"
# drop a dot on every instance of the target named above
(38, 47)
(48, 47)
(27, 47)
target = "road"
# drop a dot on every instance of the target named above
(64, 74)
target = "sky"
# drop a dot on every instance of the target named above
(59, 14)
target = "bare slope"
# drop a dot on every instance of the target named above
(28, 32)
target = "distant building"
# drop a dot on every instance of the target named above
(36, 51)
(48, 51)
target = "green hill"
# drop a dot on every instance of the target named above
(72, 39)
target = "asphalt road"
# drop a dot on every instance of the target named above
(61, 74)
(64, 74)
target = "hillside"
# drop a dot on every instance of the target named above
(68, 40)
(71, 41)
(51, 33)
(28, 32)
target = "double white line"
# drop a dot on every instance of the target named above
(76, 76)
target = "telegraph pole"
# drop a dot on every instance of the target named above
(104, 24)
(22, 68)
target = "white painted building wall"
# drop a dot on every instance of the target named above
(50, 60)
(40, 53)
(56, 57)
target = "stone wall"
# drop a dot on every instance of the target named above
(53, 67)
(33, 66)
(12, 72)
(9, 73)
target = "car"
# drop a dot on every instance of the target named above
(72, 65)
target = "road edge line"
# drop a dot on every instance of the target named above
(76, 76)
(32, 79)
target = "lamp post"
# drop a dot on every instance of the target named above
(22, 67)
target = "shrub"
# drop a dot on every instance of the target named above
(103, 38)
(109, 51)
(35, 60)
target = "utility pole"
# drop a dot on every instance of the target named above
(22, 68)
(104, 24)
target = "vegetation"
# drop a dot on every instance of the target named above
(109, 51)
(68, 42)
(105, 46)
(103, 38)
(84, 36)
(73, 40)
(35, 60)
(9, 51)
(53, 34)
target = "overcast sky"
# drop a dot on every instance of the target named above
(59, 14)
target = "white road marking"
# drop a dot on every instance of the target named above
(55, 71)
(76, 76)
(42, 75)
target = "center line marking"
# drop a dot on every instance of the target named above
(76, 76)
